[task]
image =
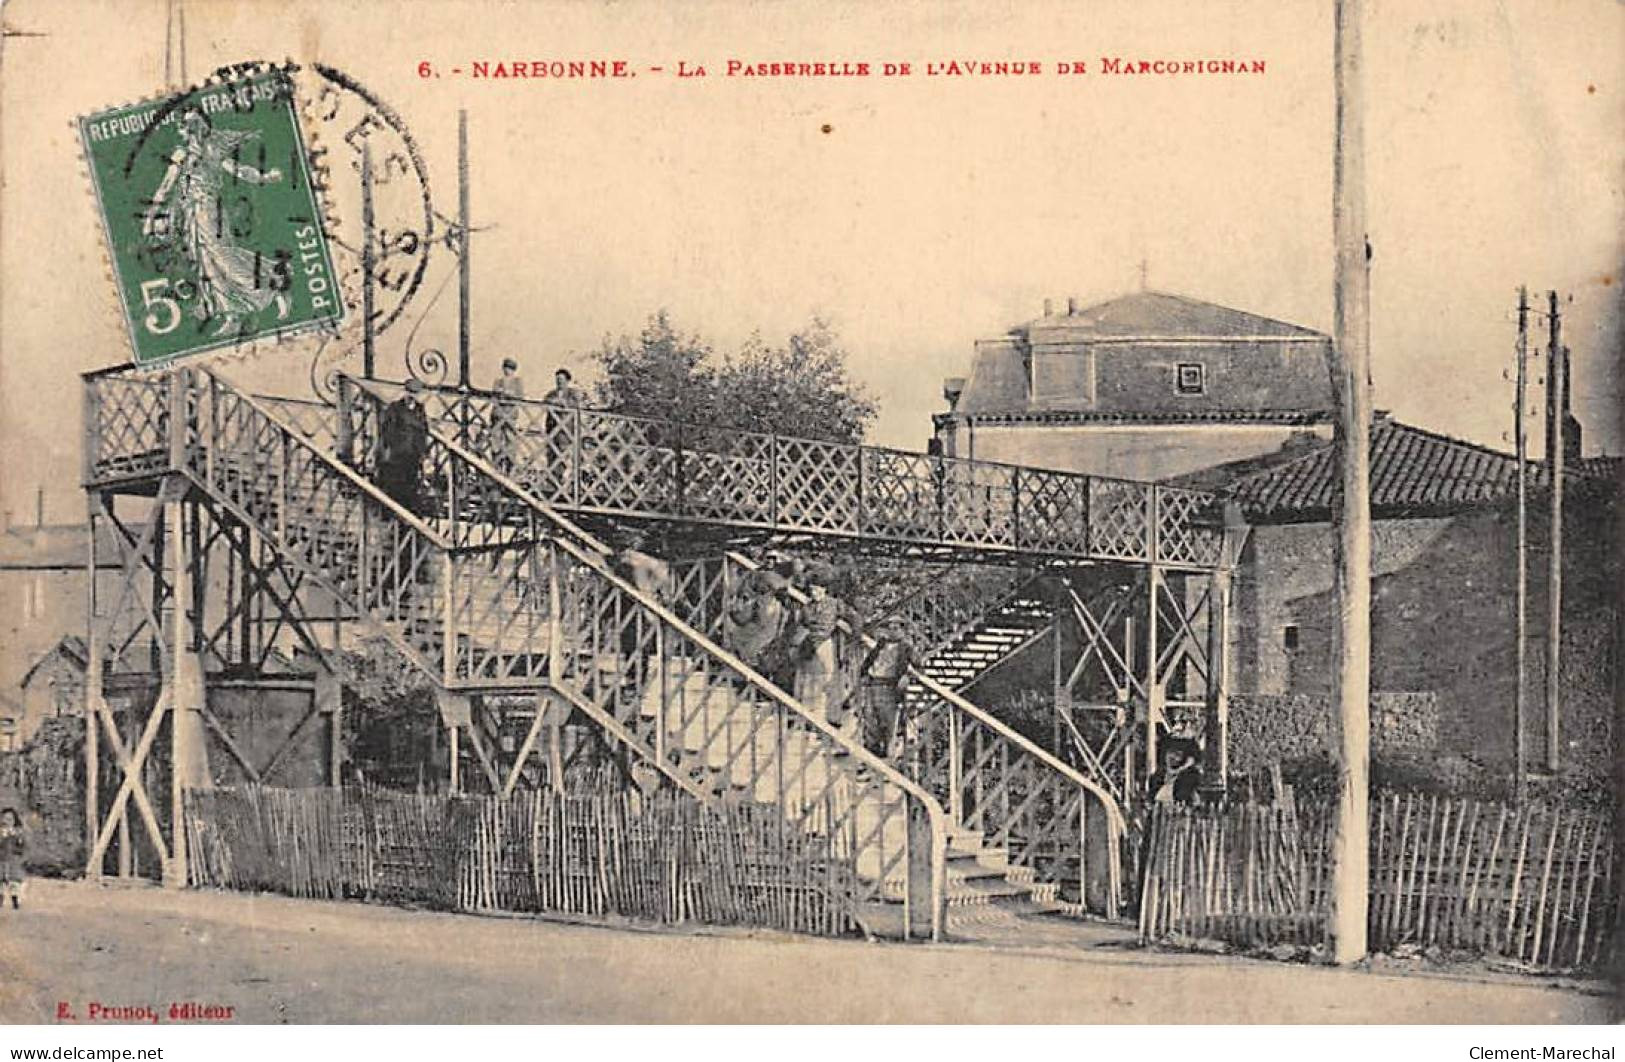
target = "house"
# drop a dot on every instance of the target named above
(54, 687)
(1444, 549)
(1146, 386)
(43, 590)
(11, 717)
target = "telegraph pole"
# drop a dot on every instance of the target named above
(175, 44)
(1351, 378)
(1521, 444)
(1557, 384)
(368, 265)
(462, 258)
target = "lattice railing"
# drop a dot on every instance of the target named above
(480, 598)
(993, 780)
(1190, 527)
(527, 601)
(126, 425)
(368, 551)
(945, 609)
(589, 460)
(635, 466)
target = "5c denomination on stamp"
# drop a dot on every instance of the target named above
(212, 222)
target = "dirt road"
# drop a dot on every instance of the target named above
(271, 959)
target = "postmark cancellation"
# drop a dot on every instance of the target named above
(212, 221)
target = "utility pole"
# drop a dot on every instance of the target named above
(1351, 378)
(1557, 384)
(368, 263)
(175, 44)
(462, 258)
(1521, 445)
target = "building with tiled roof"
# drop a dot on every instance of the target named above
(1444, 558)
(1414, 472)
(1147, 385)
(43, 589)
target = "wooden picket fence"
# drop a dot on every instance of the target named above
(1533, 884)
(1249, 874)
(664, 858)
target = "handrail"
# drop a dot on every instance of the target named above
(570, 527)
(399, 511)
(938, 639)
(698, 426)
(1117, 825)
(990, 506)
(593, 555)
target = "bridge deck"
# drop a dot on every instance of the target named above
(740, 485)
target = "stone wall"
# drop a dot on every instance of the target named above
(1266, 729)
(44, 781)
(1442, 622)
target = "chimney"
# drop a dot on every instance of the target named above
(952, 388)
(39, 507)
(1071, 305)
(1049, 307)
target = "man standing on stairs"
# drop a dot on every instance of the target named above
(565, 393)
(812, 644)
(403, 439)
(560, 422)
(882, 681)
(508, 389)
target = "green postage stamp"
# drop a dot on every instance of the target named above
(211, 218)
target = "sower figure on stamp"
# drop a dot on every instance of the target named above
(882, 681)
(13, 847)
(508, 389)
(189, 208)
(403, 439)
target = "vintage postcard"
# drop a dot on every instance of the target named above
(785, 512)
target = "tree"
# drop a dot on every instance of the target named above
(391, 721)
(801, 388)
(662, 373)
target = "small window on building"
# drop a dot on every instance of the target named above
(34, 598)
(1191, 380)
(1289, 636)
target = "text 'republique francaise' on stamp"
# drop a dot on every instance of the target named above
(211, 217)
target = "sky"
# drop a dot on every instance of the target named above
(934, 210)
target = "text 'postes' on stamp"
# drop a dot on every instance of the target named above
(211, 219)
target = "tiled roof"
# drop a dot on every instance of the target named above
(1193, 416)
(1413, 472)
(1254, 363)
(71, 647)
(1159, 314)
